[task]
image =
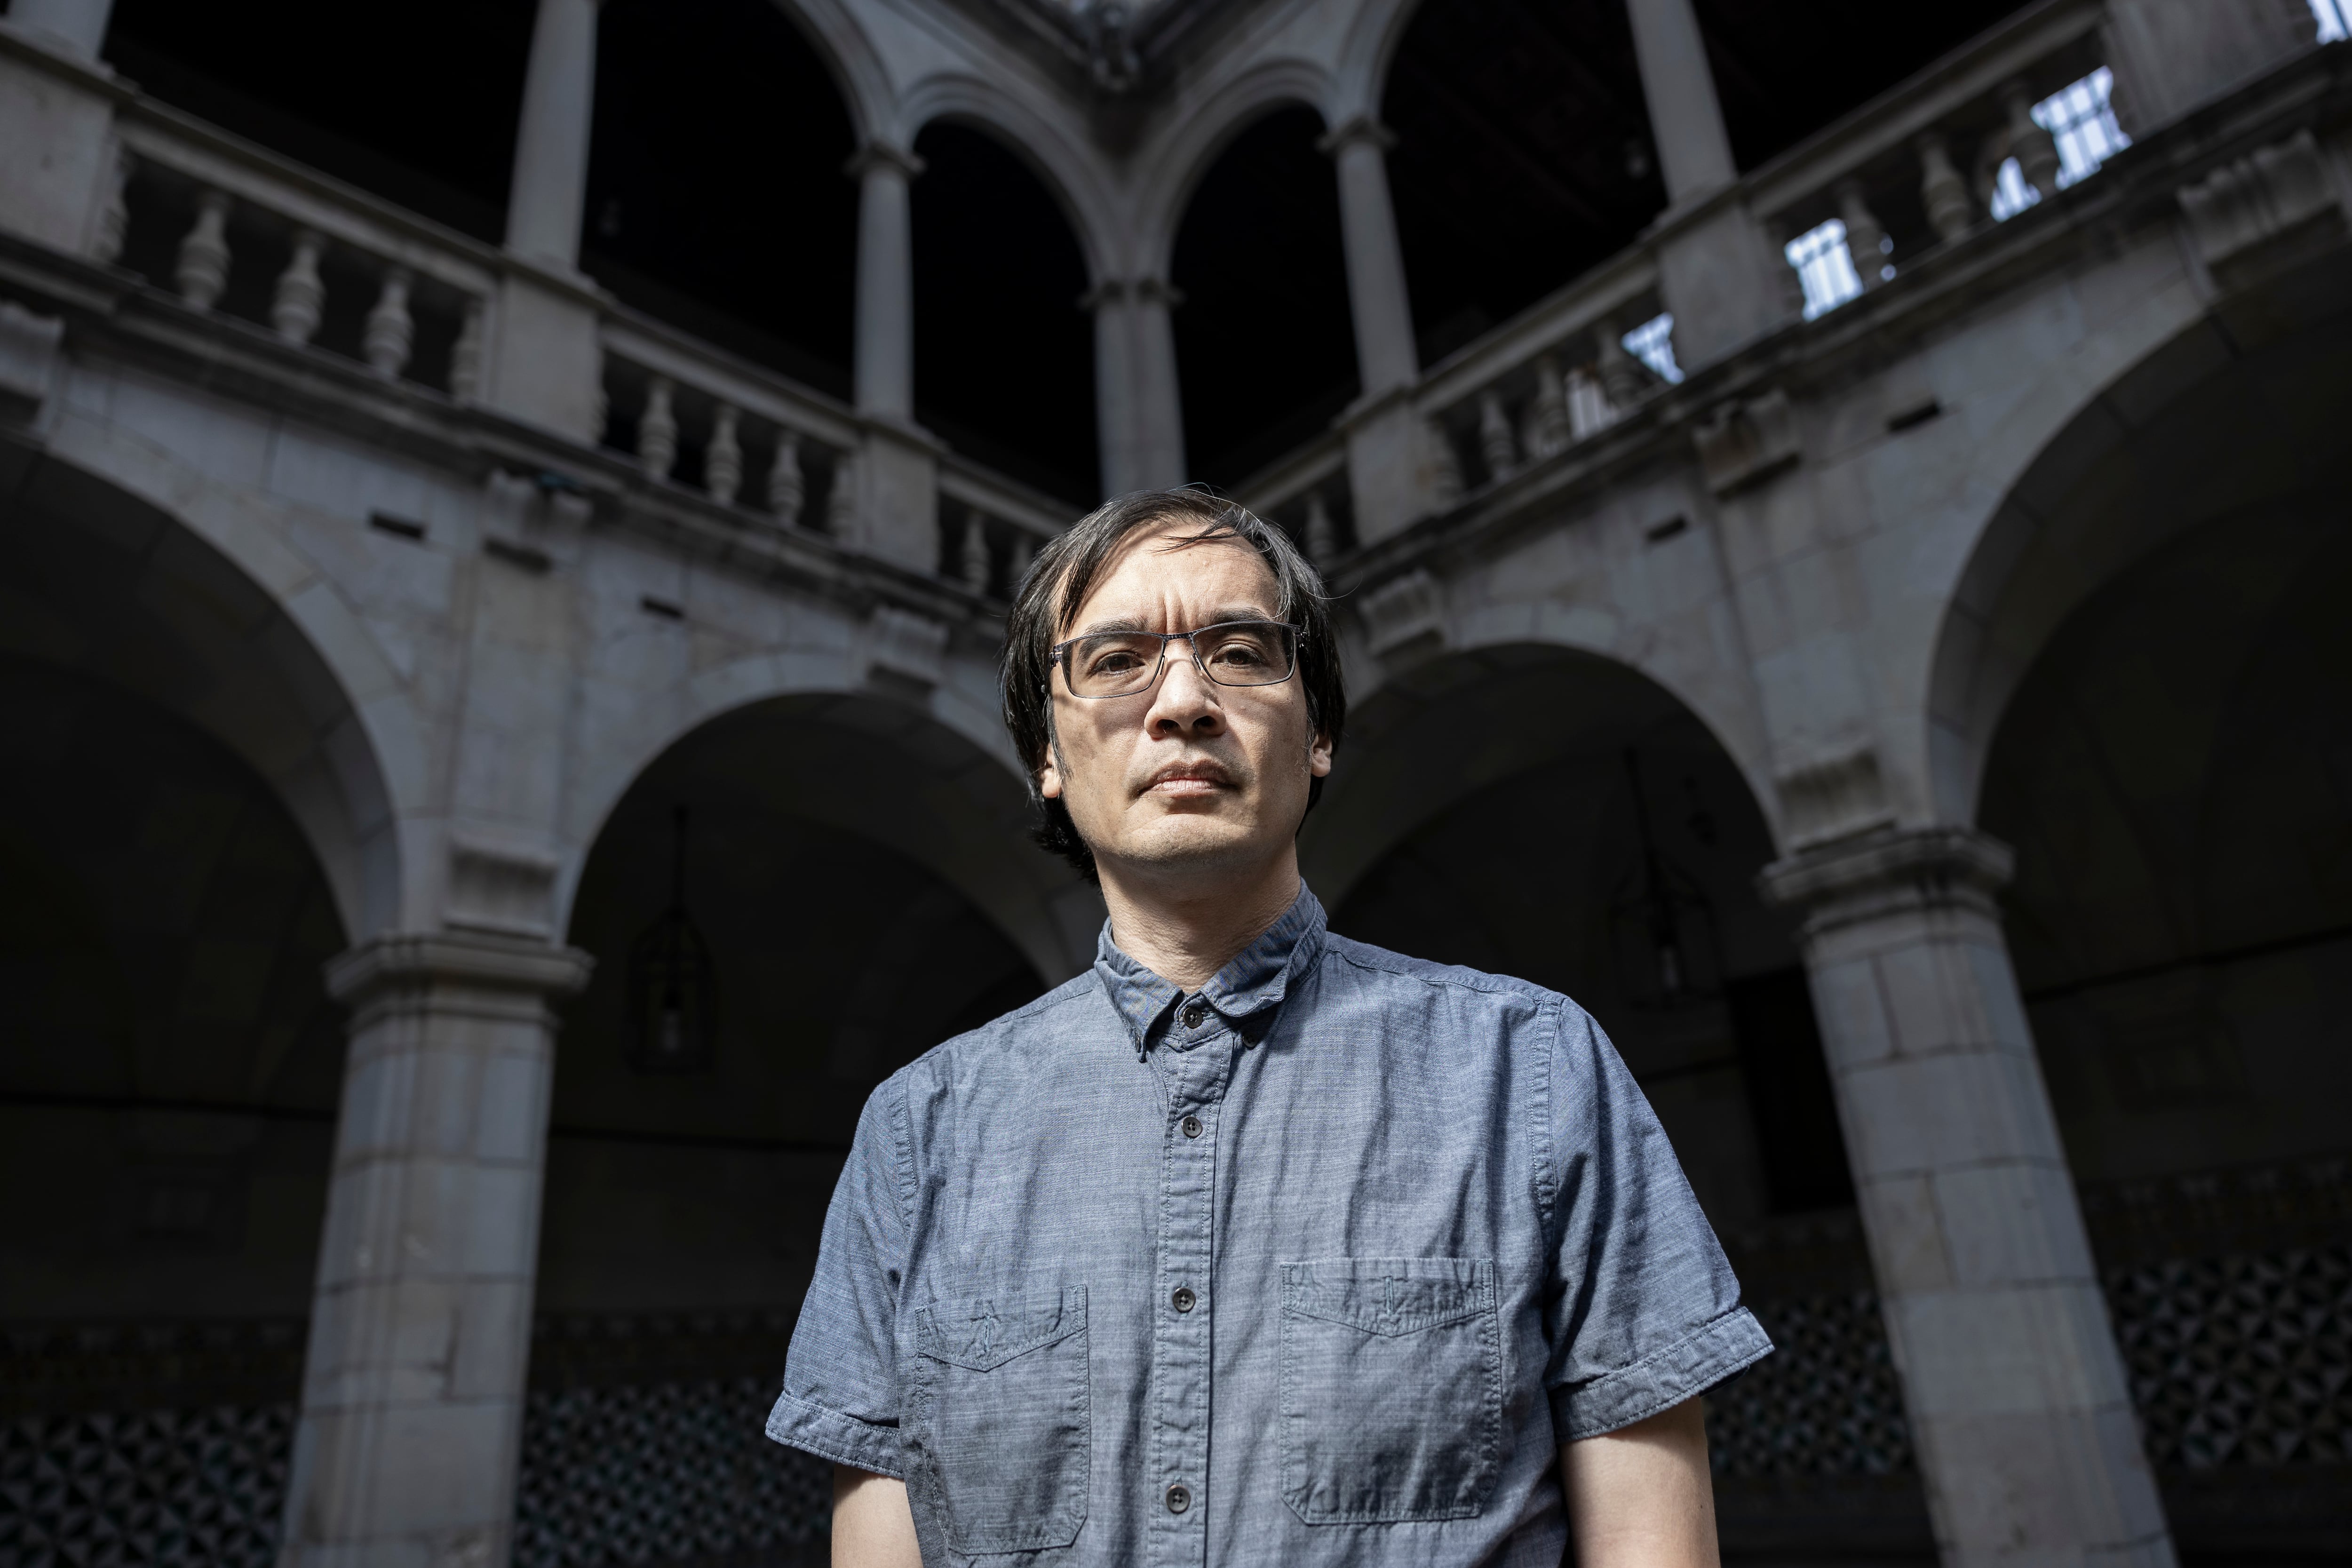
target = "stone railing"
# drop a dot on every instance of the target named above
(254, 241)
(1552, 378)
(776, 454)
(1306, 495)
(1923, 167)
(238, 232)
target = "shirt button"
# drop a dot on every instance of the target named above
(1180, 1497)
(1192, 1126)
(1183, 1298)
(1194, 1014)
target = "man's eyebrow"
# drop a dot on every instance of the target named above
(1132, 624)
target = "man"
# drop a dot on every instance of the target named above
(1251, 1245)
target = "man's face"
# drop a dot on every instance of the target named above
(1187, 775)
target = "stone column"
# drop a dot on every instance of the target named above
(1685, 120)
(2015, 1390)
(420, 1330)
(79, 27)
(542, 361)
(1139, 418)
(883, 376)
(1722, 277)
(1386, 357)
(550, 164)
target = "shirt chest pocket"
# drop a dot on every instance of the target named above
(1002, 1382)
(1391, 1389)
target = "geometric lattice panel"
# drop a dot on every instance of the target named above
(2239, 1360)
(1824, 1402)
(666, 1473)
(196, 1486)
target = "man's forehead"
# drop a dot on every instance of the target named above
(1156, 561)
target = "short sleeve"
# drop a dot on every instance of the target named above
(840, 1399)
(1642, 1310)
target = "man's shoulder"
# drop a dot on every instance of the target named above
(1024, 1031)
(1381, 968)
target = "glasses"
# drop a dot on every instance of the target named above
(1231, 653)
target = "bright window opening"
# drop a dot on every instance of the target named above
(2081, 119)
(2335, 19)
(1653, 343)
(1824, 268)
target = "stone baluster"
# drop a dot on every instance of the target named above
(1320, 537)
(300, 297)
(722, 461)
(466, 357)
(1550, 427)
(1445, 466)
(2035, 149)
(113, 213)
(657, 429)
(841, 500)
(1866, 237)
(386, 342)
(1494, 443)
(786, 489)
(975, 557)
(1942, 189)
(203, 269)
(1621, 377)
(1588, 408)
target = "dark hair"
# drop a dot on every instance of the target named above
(1057, 584)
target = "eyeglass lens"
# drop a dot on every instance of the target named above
(1237, 653)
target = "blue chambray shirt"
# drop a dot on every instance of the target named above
(1319, 1265)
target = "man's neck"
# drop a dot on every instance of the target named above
(1184, 929)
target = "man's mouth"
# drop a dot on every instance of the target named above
(1182, 779)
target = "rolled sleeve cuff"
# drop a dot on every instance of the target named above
(1732, 1342)
(844, 1439)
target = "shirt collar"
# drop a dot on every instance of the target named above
(1255, 979)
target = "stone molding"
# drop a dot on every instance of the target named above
(1891, 873)
(1748, 441)
(2277, 201)
(883, 155)
(1356, 128)
(1405, 618)
(402, 967)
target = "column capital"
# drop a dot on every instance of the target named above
(875, 155)
(409, 960)
(1891, 871)
(1356, 128)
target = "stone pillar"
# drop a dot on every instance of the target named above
(1139, 416)
(2018, 1405)
(550, 164)
(542, 362)
(883, 376)
(1722, 277)
(2169, 56)
(420, 1329)
(61, 170)
(78, 26)
(1685, 120)
(1386, 357)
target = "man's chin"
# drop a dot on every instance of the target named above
(1187, 838)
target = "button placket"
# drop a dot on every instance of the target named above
(1181, 1393)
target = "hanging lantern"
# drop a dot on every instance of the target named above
(1662, 925)
(673, 987)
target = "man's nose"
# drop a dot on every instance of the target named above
(1185, 702)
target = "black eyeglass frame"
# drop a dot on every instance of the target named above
(1058, 657)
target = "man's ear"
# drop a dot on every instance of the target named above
(1318, 755)
(1049, 777)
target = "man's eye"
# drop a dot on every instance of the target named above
(1239, 655)
(1114, 661)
